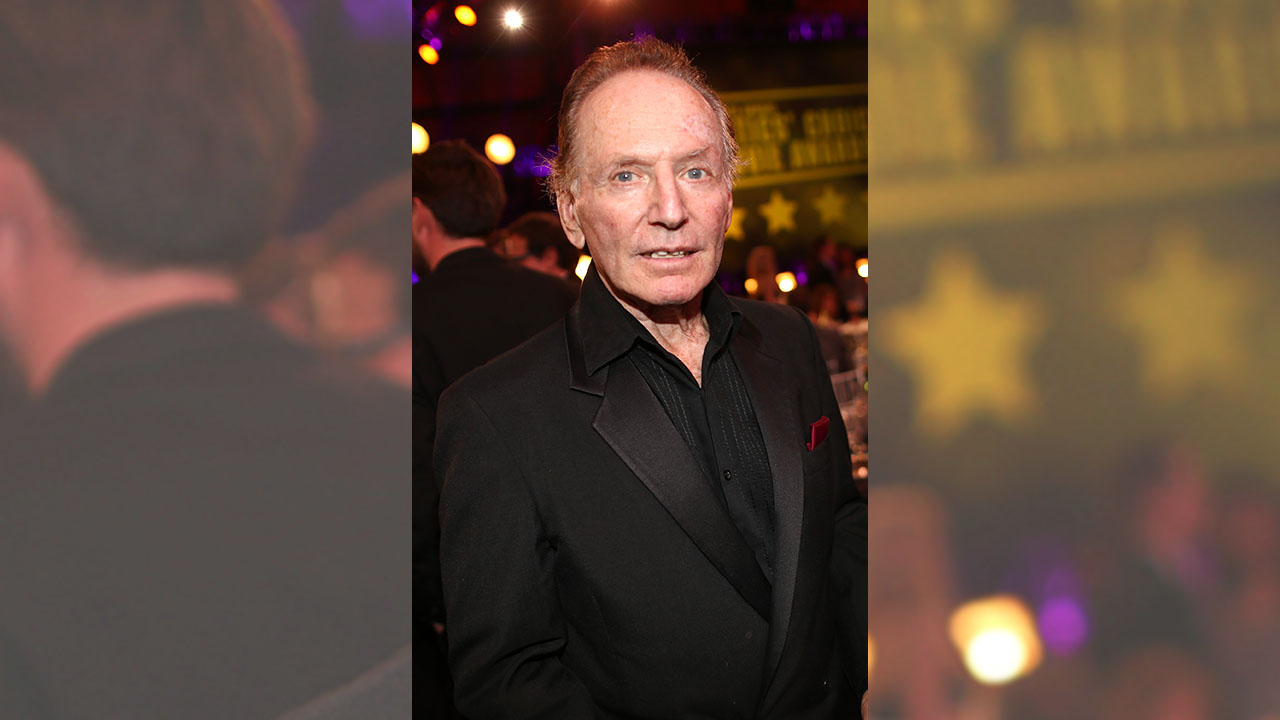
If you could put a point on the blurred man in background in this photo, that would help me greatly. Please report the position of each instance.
(200, 518)
(537, 241)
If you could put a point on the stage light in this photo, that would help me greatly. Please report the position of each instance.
(751, 285)
(512, 19)
(862, 266)
(465, 15)
(997, 638)
(421, 140)
(499, 148)
(584, 262)
(786, 282)
(871, 655)
(429, 55)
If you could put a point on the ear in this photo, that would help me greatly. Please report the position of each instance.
(422, 219)
(569, 219)
(728, 215)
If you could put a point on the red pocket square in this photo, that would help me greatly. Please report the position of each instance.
(818, 432)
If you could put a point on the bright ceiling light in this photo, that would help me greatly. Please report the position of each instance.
(499, 149)
(421, 140)
(786, 281)
(997, 639)
(465, 15)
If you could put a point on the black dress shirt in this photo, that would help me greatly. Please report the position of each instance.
(716, 419)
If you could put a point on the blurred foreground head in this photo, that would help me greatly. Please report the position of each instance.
(166, 133)
(147, 149)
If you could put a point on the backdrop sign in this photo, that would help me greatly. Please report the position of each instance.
(805, 165)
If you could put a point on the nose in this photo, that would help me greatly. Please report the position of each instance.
(666, 206)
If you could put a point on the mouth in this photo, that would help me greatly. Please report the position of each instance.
(667, 254)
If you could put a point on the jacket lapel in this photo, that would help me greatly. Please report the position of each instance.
(634, 424)
(774, 395)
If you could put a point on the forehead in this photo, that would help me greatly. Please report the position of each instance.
(645, 113)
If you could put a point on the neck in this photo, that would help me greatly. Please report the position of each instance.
(445, 247)
(681, 329)
(90, 305)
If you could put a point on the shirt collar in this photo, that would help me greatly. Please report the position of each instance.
(609, 331)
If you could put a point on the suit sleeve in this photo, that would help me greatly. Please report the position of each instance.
(849, 540)
(506, 631)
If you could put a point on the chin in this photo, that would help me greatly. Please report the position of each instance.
(674, 294)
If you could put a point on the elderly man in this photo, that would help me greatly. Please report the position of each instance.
(647, 510)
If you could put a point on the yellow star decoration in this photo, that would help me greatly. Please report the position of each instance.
(966, 346)
(1187, 312)
(735, 231)
(779, 212)
(831, 205)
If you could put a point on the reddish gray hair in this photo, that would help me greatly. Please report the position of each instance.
(607, 62)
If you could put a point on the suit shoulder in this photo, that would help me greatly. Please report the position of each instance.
(493, 277)
(527, 368)
(771, 318)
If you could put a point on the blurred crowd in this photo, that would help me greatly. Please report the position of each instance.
(1173, 591)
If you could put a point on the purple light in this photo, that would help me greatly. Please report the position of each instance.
(533, 161)
(806, 31)
(379, 18)
(526, 160)
(1063, 624)
(415, 277)
(435, 43)
(802, 277)
(542, 168)
(837, 26)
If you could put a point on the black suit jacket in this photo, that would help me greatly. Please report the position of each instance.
(200, 519)
(589, 569)
(473, 307)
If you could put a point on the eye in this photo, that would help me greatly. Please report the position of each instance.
(696, 174)
(625, 176)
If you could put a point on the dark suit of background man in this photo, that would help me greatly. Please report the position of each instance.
(471, 306)
(647, 511)
(198, 518)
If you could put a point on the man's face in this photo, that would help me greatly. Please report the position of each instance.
(650, 195)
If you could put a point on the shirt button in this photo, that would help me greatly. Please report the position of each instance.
(728, 476)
